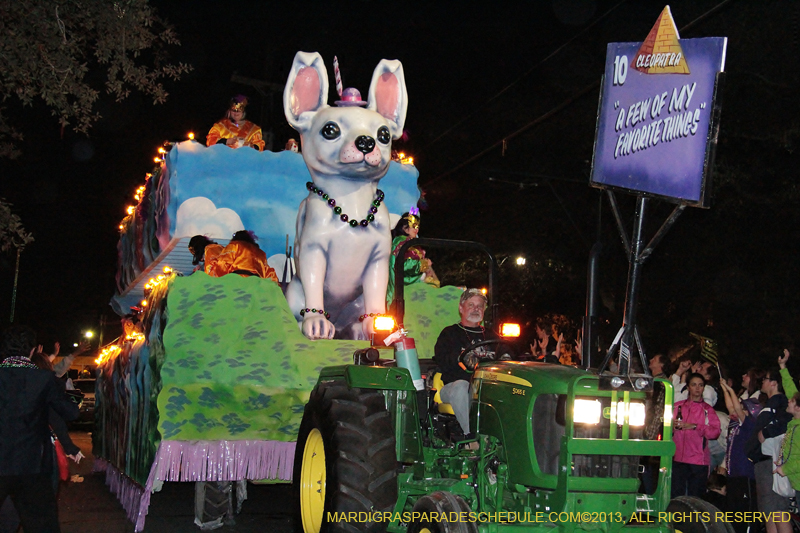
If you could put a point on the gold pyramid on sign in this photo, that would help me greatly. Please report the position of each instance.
(661, 51)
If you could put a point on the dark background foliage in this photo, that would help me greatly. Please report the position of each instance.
(527, 73)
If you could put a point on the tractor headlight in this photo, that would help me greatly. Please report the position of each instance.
(635, 413)
(586, 411)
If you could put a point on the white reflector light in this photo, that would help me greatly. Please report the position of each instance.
(635, 416)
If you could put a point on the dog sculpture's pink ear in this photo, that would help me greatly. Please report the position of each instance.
(306, 90)
(388, 96)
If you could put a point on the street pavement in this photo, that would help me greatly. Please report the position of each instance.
(89, 507)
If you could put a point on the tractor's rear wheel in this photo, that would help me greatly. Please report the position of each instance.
(345, 461)
(443, 504)
(703, 522)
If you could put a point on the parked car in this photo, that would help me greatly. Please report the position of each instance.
(86, 387)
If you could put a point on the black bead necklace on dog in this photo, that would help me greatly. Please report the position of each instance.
(376, 203)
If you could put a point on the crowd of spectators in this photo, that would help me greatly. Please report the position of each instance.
(734, 438)
(556, 339)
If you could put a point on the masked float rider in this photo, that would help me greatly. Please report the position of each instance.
(233, 130)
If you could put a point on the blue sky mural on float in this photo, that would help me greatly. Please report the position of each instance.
(264, 189)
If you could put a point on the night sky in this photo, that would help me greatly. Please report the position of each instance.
(476, 74)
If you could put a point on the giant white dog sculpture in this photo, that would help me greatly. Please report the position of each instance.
(343, 241)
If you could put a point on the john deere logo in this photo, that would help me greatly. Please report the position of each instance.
(661, 51)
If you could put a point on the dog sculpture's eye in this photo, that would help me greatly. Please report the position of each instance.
(383, 135)
(331, 131)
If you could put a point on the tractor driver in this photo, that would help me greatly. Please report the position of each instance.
(452, 341)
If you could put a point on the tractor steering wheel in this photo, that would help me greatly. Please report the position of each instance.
(469, 358)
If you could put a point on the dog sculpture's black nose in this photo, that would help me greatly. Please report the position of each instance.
(365, 144)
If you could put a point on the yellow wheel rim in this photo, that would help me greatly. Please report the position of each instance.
(312, 483)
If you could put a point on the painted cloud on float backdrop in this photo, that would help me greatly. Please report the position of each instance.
(199, 216)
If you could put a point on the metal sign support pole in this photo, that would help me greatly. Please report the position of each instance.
(625, 337)
(632, 296)
(638, 253)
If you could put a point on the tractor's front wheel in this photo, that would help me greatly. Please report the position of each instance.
(693, 515)
(442, 504)
(345, 461)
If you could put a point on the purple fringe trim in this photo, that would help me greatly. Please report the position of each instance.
(200, 461)
(129, 493)
(230, 460)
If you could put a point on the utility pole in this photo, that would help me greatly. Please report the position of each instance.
(14, 291)
(12, 233)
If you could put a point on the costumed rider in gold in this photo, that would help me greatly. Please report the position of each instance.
(234, 130)
(241, 256)
(203, 251)
(416, 267)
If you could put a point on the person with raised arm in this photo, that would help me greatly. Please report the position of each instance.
(786, 378)
(685, 368)
(741, 484)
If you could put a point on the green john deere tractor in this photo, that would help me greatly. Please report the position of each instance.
(558, 449)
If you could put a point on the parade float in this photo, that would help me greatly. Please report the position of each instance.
(552, 448)
(209, 380)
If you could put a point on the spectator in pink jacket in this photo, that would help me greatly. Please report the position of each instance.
(695, 424)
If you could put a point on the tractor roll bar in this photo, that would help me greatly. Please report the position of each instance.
(398, 306)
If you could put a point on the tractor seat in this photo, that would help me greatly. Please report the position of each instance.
(444, 408)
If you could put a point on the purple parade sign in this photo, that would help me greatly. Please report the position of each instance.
(656, 127)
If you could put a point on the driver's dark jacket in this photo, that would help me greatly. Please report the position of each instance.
(452, 340)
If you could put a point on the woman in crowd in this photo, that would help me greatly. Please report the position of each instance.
(416, 267)
(695, 424)
(751, 383)
(685, 366)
